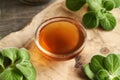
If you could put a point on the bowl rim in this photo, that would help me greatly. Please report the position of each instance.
(62, 56)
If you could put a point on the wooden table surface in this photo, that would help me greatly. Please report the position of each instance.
(98, 42)
(15, 15)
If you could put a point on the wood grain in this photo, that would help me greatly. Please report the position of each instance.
(98, 41)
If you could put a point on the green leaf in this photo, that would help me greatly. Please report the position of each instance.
(94, 5)
(88, 72)
(112, 63)
(118, 55)
(104, 68)
(96, 63)
(75, 5)
(117, 3)
(108, 4)
(1, 61)
(117, 72)
(90, 20)
(116, 78)
(102, 74)
(27, 69)
(7, 62)
(11, 74)
(17, 65)
(109, 22)
(101, 14)
(108, 78)
(23, 54)
(10, 53)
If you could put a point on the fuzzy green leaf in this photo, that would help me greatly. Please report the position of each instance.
(11, 74)
(101, 14)
(94, 5)
(117, 3)
(117, 72)
(15, 65)
(109, 22)
(104, 68)
(10, 53)
(116, 78)
(90, 20)
(27, 69)
(112, 63)
(1, 61)
(108, 4)
(23, 54)
(102, 74)
(96, 63)
(88, 72)
(75, 5)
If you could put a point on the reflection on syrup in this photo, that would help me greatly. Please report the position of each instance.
(60, 37)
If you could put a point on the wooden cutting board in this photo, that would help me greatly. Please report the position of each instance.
(98, 41)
